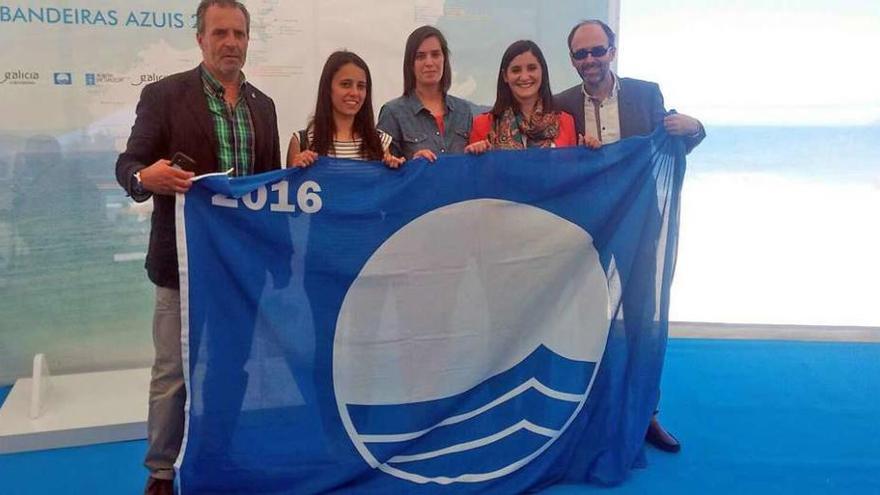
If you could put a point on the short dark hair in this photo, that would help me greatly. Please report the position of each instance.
(416, 38)
(609, 33)
(504, 96)
(203, 7)
(324, 126)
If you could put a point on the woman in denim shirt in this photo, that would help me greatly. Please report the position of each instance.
(426, 121)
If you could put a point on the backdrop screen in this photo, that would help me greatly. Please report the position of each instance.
(72, 245)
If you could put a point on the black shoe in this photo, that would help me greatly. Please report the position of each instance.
(660, 438)
(156, 486)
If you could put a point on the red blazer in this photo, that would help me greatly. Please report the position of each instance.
(567, 135)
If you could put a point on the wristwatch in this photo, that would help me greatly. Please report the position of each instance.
(137, 187)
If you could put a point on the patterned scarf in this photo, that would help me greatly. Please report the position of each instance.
(539, 130)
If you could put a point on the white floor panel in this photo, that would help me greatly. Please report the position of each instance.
(81, 409)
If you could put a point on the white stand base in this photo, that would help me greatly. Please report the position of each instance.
(41, 386)
(82, 409)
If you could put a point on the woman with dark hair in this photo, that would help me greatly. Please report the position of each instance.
(343, 125)
(426, 121)
(523, 114)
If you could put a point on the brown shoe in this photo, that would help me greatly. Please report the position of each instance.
(660, 438)
(155, 486)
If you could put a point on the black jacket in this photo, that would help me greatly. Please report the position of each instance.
(172, 116)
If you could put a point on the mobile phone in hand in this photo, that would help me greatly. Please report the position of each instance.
(183, 162)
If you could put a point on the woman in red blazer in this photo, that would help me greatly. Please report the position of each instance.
(523, 114)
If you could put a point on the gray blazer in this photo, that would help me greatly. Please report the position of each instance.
(640, 104)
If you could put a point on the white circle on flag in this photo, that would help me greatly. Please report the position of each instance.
(460, 295)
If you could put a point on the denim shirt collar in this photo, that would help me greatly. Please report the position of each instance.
(415, 104)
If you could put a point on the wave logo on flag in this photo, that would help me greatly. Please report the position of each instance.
(469, 341)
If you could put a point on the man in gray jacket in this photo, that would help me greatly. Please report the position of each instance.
(611, 108)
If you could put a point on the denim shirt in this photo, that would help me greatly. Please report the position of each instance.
(412, 127)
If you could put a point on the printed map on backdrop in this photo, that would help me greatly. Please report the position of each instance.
(71, 244)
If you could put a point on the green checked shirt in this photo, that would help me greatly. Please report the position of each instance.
(232, 125)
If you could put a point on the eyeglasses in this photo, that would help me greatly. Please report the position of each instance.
(596, 52)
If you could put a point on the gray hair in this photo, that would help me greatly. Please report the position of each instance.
(203, 7)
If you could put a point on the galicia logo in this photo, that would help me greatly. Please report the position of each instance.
(102, 78)
(20, 77)
(147, 78)
(63, 78)
(468, 365)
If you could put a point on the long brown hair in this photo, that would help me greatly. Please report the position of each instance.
(504, 96)
(324, 126)
(416, 38)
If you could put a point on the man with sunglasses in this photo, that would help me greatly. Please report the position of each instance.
(611, 108)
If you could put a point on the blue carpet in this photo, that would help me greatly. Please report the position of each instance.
(753, 416)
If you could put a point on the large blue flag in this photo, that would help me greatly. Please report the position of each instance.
(491, 323)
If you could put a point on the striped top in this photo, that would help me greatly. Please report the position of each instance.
(350, 149)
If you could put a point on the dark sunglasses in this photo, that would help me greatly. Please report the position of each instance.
(596, 52)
